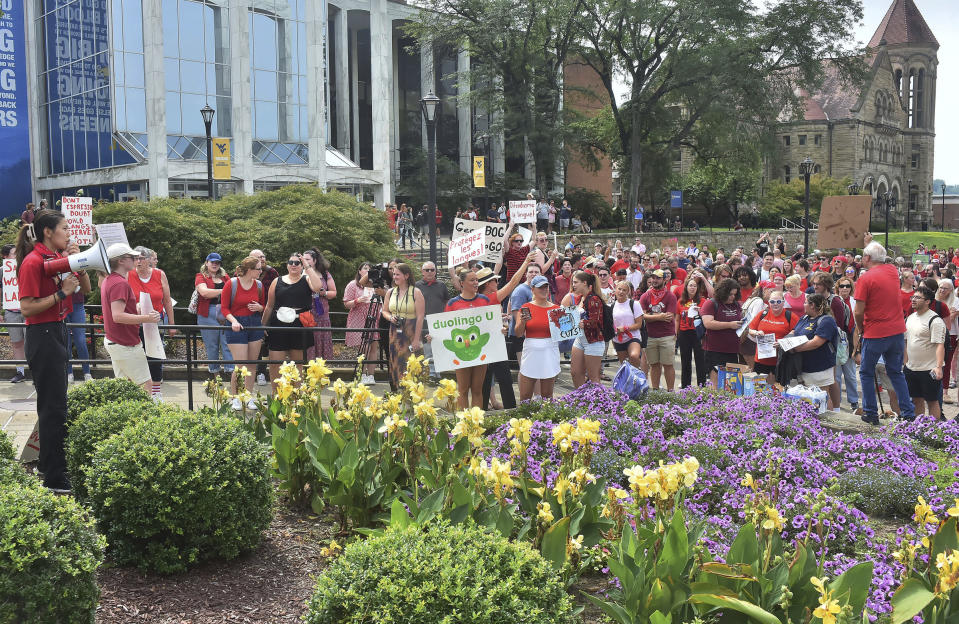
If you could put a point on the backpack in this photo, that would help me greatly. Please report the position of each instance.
(234, 285)
(630, 381)
(846, 313)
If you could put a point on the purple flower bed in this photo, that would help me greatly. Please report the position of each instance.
(760, 435)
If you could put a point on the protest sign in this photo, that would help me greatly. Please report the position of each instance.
(111, 233)
(526, 234)
(467, 338)
(79, 214)
(494, 236)
(922, 259)
(523, 211)
(11, 287)
(564, 323)
(843, 220)
(466, 248)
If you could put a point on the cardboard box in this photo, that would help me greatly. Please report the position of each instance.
(730, 378)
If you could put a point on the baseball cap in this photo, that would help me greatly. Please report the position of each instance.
(121, 249)
(658, 273)
(485, 275)
(539, 281)
(214, 257)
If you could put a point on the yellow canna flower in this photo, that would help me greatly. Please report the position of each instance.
(342, 415)
(332, 550)
(392, 424)
(954, 510)
(414, 365)
(773, 519)
(327, 428)
(290, 372)
(242, 372)
(519, 429)
(544, 514)
(284, 389)
(318, 373)
(947, 566)
(576, 542)
(748, 482)
(425, 413)
(827, 610)
(924, 514)
(560, 488)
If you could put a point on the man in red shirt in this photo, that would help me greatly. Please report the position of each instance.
(121, 321)
(880, 331)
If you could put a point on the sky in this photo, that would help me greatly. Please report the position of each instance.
(941, 17)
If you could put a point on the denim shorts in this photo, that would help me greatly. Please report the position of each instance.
(245, 336)
(590, 348)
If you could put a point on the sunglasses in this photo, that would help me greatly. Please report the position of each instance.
(429, 270)
(293, 263)
(845, 285)
(776, 301)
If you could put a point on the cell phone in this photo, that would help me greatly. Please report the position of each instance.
(525, 314)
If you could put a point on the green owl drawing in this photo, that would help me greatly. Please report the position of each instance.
(466, 344)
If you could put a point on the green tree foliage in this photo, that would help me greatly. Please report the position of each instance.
(454, 187)
(720, 185)
(788, 200)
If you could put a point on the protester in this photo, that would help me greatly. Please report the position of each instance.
(687, 337)
(586, 361)
(520, 296)
(819, 353)
(242, 304)
(28, 215)
(946, 294)
(405, 309)
(17, 334)
(357, 300)
(209, 283)
(267, 275)
(43, 305)
(722, 316)
(847, 372)
(747, 281)
(540, 361)
(121, 319)
(435, 295)
(794, 296)
(563, 279)
(627, 322)
(777, 321)
(469, 381)
(659, 308)
(753, 307)
(152, 281)
(322, 339)
(925, 354)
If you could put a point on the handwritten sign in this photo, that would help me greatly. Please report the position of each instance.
(466, 248)
(523, 211)
(564, 323)
(843, 220)
(111, 233)
(11, 287)
(79, 214)
(494, 236)
(467, 338)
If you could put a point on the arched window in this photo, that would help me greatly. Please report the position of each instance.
(911, 99)
(899, 84)
(865, 148)
(920, 109)
(786, 173)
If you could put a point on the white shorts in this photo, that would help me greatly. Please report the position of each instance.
(128, 362)
(821, 379)
(595, 349)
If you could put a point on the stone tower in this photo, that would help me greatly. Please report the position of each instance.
(906, 37)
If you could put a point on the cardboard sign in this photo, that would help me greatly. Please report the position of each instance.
(11, 287)
(79, 214)
(494, 236)
(111, 233)
(467, 338)
(526, 234)
(466, 248)
(843, 220)
(523, 211)
(564, 323)
(923, 259)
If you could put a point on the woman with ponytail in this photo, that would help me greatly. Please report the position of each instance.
(45, 301)
(587, 358)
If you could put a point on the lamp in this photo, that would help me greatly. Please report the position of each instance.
(853, 188)
(805, 170)
(207, 114)
(428, 104)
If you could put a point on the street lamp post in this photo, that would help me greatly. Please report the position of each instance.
(805, 170)
(853, 189)
(208, 113)
(908, 203)
(428, 104)
(890, 201)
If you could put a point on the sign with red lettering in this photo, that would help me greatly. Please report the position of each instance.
(79, 214)
(466, 248)
(11, 288)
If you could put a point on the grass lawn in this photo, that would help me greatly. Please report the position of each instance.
(909, 241)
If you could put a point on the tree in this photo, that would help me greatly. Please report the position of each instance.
(453, 186)
(788, 200)
(684, 60)
(719, 183)
(520, 48)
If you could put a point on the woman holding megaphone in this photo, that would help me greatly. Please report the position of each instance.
(45, 300)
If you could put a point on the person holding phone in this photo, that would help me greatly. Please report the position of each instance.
(540, 360)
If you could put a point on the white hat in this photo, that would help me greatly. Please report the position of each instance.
(121, 249)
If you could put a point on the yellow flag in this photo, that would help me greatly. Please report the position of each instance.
(221, 159)
(479, 171)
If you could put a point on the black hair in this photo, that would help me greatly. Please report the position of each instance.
(744, 270)
(321, 264)
(32, 233)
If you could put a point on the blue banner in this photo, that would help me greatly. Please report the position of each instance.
(675, 199)
(15, 179)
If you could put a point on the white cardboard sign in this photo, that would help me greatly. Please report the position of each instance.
(467, 338)
(111, 233)
(466, 248)
(523, 211)
(79, 214)
(494, 236)
(11, 287)
(564, 323)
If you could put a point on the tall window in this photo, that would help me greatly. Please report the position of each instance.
(911, 98)
(75, 67)
(786, 140)
(802, 139)
(278, 77)
(129, 97)
(196, 50)
(920, 79)
(786, 173)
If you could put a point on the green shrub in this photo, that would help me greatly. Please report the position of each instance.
(6, 446)
(83, 396)
(11, 471)
(177, 489)
(871, 490)
(96, 424)
(449, 574)
(49, 554)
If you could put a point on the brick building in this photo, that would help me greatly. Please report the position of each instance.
(883, 135)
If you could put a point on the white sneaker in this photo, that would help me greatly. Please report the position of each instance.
(157, 398)
(251, 405)
(70, 378)
(236, 405)
(368, 380)
(87, 377)
(261, 379)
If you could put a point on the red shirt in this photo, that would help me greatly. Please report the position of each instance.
(458, 303)
(619, 264)
(203, 304)
(777, 325)
(153, 287)
(241, 298)
(905, 302)
(514, 260)
(538, 325)
(116, 288)
(745, 292)
(875, 291)
(686, 323)
(35, 283)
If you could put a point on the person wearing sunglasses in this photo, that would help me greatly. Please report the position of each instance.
(209, 283)
(776, 320)
(288, 297)
(848, 371)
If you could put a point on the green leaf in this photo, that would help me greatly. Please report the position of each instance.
(852, 586)
(746, 608)
(659, 618)
(505, 522)
(745, 548)
(945, 539)
(459, 514)
(430, 506)
(613, 610)
(553, 547)
(675, 553)
(399, 519)
(909, 600)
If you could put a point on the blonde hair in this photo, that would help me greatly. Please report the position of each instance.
(206, 272)
(793, 280)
